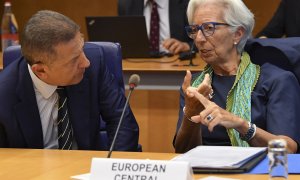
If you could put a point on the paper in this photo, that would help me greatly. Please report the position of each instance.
(216, 178)
(125, 169)
(82, 176)
(219, 156)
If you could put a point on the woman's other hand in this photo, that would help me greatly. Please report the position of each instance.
(192, 104)
(213, 114)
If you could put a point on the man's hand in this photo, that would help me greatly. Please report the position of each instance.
(175, 46)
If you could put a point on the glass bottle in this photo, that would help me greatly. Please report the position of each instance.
(278, 165)
(9, 28)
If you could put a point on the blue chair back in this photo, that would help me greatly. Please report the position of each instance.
(10, 54)
(112, 56)
(282, 52)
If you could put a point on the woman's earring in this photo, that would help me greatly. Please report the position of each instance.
(235, 43)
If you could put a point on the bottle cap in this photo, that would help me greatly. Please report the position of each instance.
(277, 143)
(7, 3)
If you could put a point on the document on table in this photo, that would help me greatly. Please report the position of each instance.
(225, 157)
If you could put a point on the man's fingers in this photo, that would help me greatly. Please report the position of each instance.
(168, 42)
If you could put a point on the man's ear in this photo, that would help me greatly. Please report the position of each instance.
(39, 70)
(239, 33)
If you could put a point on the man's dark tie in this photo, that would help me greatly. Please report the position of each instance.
(154, 28)
(65, 131)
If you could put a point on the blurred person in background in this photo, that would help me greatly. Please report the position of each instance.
(172, 20)
(285, 22)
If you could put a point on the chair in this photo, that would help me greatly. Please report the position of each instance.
(112, 52)
(282, 52)
(10, 54)
(121, 7)
(112, 56)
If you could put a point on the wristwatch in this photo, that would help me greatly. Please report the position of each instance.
(250, 133)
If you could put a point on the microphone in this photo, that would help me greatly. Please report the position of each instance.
(192, 55)
(134, 80)
(133, 83)
(189, 55)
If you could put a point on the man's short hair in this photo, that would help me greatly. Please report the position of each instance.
(43, 32)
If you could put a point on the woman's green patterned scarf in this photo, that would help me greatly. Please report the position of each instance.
(239, 96)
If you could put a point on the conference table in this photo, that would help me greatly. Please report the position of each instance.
(62, 164)
(164, 73)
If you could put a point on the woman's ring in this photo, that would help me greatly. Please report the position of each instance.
(209, 117)
(211, 95)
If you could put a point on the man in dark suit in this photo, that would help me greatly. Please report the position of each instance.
(54, 57)
(173, 11)
(285, 22)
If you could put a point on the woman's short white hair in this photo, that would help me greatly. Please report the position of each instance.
(236, 14)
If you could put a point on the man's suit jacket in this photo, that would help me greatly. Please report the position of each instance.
(286, 21)
(177, 15)
(97, 94)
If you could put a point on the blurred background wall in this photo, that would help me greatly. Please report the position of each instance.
(78, 9)
(75, 9)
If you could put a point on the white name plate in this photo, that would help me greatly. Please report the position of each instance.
(133, 169)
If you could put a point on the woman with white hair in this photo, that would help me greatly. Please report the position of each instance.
(233, 101)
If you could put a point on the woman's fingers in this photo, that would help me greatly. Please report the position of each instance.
(203, 100)
(205, 87)
(187, 80)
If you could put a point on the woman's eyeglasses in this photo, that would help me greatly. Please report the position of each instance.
(207, 29)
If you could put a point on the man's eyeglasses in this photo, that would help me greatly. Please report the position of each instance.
(207, 29)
